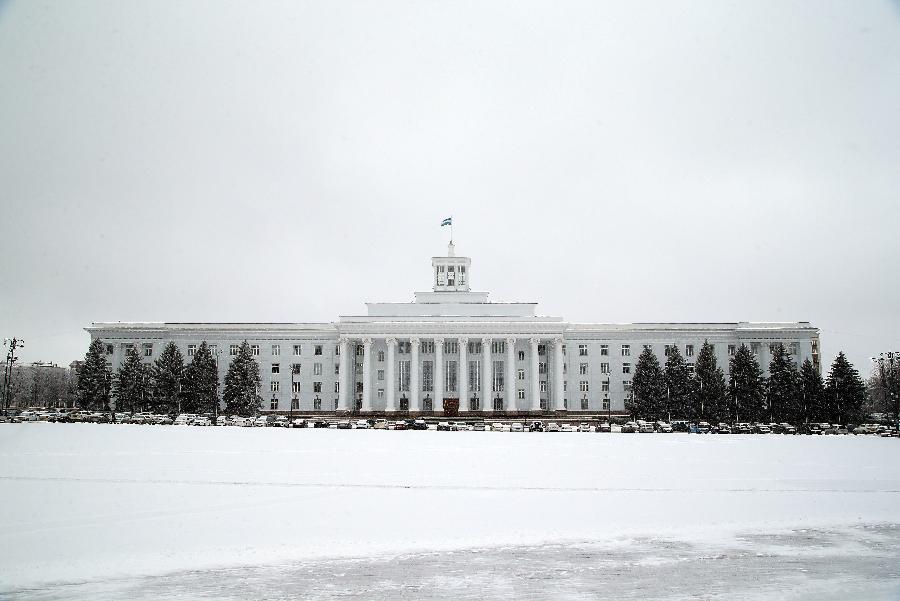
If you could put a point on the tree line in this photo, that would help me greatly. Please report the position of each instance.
(789, 394)
(168, 385)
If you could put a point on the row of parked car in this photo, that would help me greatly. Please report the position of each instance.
(631, 427)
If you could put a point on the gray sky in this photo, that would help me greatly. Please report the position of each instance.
(652, 161)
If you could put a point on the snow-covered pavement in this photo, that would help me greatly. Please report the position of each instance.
(102, 507)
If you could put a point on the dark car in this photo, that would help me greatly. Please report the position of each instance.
(320, 423)
(536, 426)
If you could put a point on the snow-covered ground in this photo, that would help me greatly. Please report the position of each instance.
(92, 511)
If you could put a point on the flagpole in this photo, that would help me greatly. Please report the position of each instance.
(451, 229)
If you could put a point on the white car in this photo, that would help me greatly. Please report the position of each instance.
(281, 422)
(584, 427)
(361, 425)
(183, 420)
(567, 428)
(381, 424)
(222, 420)
(516, 427)
(261, 421)
(553, 427)
(201, 420)
(498, 427)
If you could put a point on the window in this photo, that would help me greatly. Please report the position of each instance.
(474, 376)
(276, 350)
(565, 386)
(109, 349)
(192, 348)
(584, 404)
(358, 369)
(565, 368)
(381, 393)
(583, 386)
(212, 349)
(521, 374)
(542, 367)
(337, 350)
(731, 350)
(275, 385)
(605, 386)
(380, 357)
(582, 350)
(498, 346)
(755, 346)
(451, 379)
(427, 376)
(295, 387)
(604, 368)
(426, 347)
(148, 350)
(317, 404)
(626, 385)
(273, 404)
(564, 349)
(129, 346)
(403, 347)
(648, 347)
(233, 350)
(626, 350)
(317, 350)
(474, 404)
(381, 374)
(474, 348)
(626, 368)
(521, 355)
(297, 349)
(604, 350)
(360, 350)
(337, 388)
(542, 350)
(404, 376)
(295, 404)
(668, 349)
(427, 404)
(606, 403)
(337, 369)
(520, 394)
(254, 349)
(543, 385)
(498, 376)
(317, 387)
(498, 404)
(295, 368)
(543, 404)
(582, 369)
(451, 347)
(276, 368)
(317, 369)
(794, 348)
(689, 350)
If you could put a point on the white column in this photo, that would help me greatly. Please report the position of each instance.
(510, 374)
(462, 374)
(344, 392)
(391, 385)
(535, 376)
(414, 375)
(367, 375)
(487, 375)
(558, 393)
(438, 374)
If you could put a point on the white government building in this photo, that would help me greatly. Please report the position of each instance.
(452, 347)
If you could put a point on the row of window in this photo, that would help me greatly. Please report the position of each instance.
(452, 348)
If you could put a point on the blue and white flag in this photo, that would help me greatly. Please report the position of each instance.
(447, 221)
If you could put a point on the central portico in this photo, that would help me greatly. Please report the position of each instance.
(449, 351)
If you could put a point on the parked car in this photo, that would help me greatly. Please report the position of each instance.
(629, 428)
(281, 421)
(552, 427)
(223, 420)
(443, 426)
(516, 427)
(457, 426)
(298, 422)
(361, 424)
(785, 428)
(761, 429)
(680, 425)
(344, 424)
(663, 427)
(400, 425)
(201, 420)
(604, 427)
(417, 424)
(646, 428)
(536, 426)
(499, 427)
(567, 428)
(722, 428)
(479, 427)
(380, 424)
(584, 427)
(320, 423)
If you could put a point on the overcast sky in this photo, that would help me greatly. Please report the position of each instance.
(627, 162)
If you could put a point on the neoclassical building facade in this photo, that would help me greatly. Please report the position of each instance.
(452, 351)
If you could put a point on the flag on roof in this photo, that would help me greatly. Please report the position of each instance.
(447, 221)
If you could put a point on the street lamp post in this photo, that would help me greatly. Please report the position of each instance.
(216, 403)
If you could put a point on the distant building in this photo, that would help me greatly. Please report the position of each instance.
(453, 346)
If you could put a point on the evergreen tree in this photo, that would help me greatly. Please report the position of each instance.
(242, 384)
(678, 384)
(94, 379)
(845, 392)
(783, 389)
(710, 398)
(131, 386)
(201, 382)
(168, 379)
(649, 387)
(812, 393)
(746, 386)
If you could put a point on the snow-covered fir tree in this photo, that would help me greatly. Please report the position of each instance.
(131, 386)
(242, 384)
(201, 382)
(845, 392)
(812, 393)
(649, 388)
(746, 386)
(168, 379)
(710, 399)
(94, 379)
(678, 383)
(783, 388)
